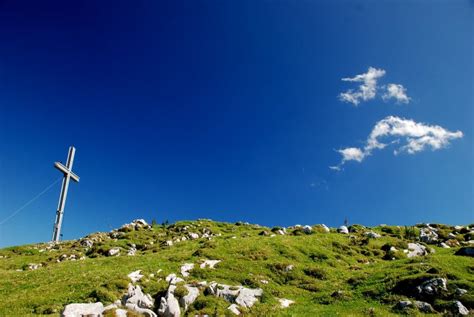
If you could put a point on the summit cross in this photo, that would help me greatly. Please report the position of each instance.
(68, 175)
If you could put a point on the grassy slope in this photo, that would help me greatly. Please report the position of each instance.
(324, 263)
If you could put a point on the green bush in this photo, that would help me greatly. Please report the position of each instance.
(180, 291)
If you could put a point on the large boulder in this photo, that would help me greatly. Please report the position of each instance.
(428, 235)
(113, 252)
(248, 297)
(80, 310)
(459, 309)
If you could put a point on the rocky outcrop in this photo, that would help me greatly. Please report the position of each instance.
(185, 268)
(284, 303)
(169, 305)
(79, 310)
(242, 296)
(135, 276)
(415, 249)
(188, 299)
(113, 252)
(209, 263)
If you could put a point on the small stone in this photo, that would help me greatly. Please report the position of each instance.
(284, 303)
(209, 263)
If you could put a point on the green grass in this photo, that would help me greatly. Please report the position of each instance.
(324, 263)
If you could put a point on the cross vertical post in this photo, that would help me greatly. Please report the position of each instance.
(68, 175)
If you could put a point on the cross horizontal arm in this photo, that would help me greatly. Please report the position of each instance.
(65, 170)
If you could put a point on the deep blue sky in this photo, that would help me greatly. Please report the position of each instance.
(228, 110)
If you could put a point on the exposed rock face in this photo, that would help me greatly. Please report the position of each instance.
(284, 303)
(248, 296)
(403, 304)
(172, 279)
(307, 229)
(135, 296)
(416, 249)
(432, 287)
(135, 276)
(79, 310)
(343, 229)
(466, 251)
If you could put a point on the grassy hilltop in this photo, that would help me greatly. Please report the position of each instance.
(324, 273)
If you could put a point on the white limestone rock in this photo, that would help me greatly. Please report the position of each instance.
(169, 305)
(234, 309)
(79, 310)
(284, 303)
(188, 299)
(373, 235)
(172, 279)
(415, 249)
(343, 229)
(185, 268)
(135, 296)
(460, 309)
(432, 287)
(86, 243)
(143, 311)
(113, 252)
(248, 297)
(193, 236)
(135, 276)
(209, 263)
(307, 229)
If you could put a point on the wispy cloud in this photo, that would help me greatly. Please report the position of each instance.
(411, 137)
(369, 87)
(367, 90)
(397, 92)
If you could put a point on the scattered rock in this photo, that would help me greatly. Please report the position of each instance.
(280, 232)
(172, 279)
(415, 249)
(403, 305)
(193, 236)
(325, 228)
(343, 229)
(209, 263)
(185, 268)
(87, 243)
(460, 291)
(89, 310)
(428, 235)
(289, 268)
(248, 296)
(432, 287)
(113, 252)
(373, 235)
(307, 229)
(453, 243)
(284, 303)
(132, 251)
(242, 296)
(120, 313)
(424, 307)
(169, 305)
(444, 245)
(188, 299)
(234, 309)
(465, 251)
(34, 266)
(140, 310)
(135, 276)
(459, 309)
(135, 296)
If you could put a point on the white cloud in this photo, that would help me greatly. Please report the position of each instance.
(412, 136)
(398, 92)
(367, 90)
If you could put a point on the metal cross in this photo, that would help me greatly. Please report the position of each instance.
(68, 175)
